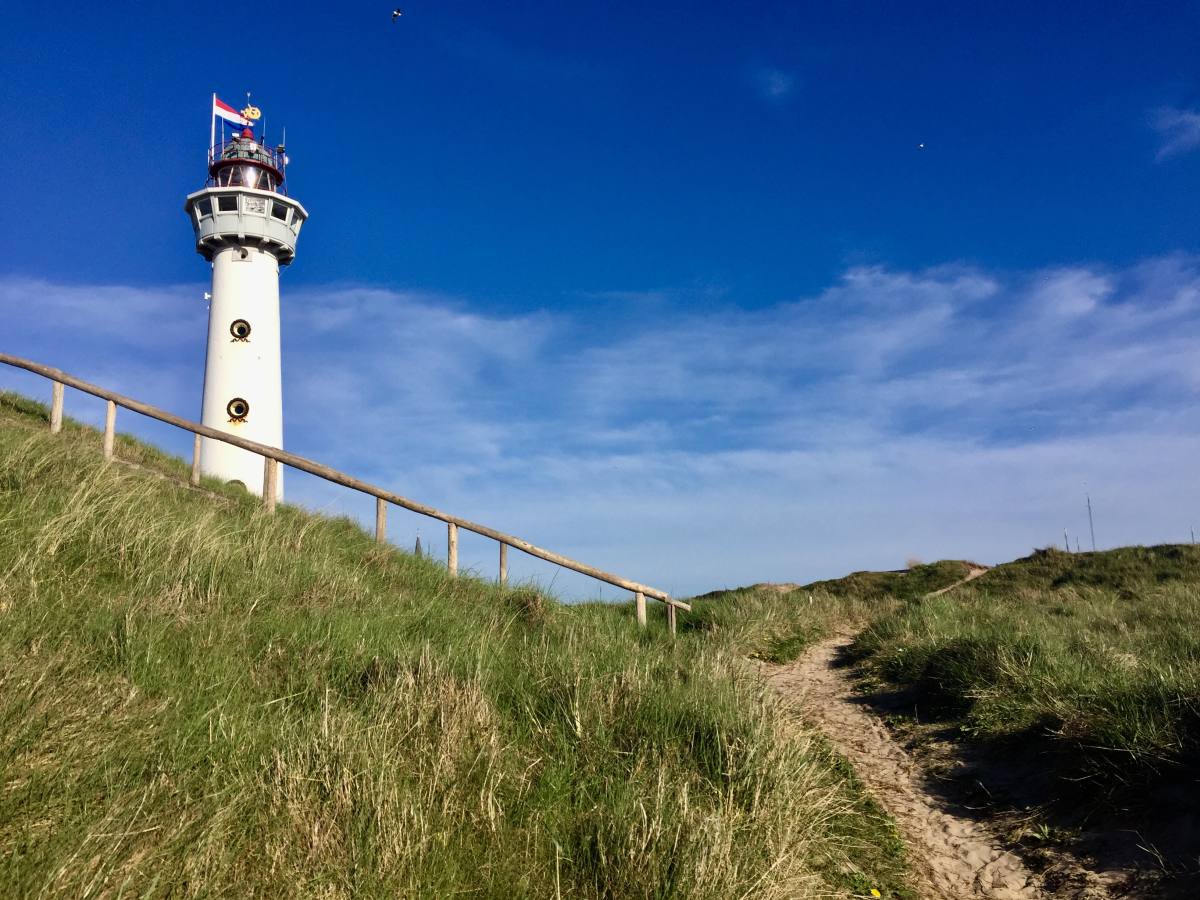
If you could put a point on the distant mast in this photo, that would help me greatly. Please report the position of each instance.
(246, 226)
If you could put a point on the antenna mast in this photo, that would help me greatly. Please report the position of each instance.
(1091, 527)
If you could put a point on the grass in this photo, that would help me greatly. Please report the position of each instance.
(1069, 682)
(910, 584)
(776, 624)
(1093, 656)
(201, 700)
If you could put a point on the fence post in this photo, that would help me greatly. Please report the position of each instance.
(380, 520)
(196, 462)
(110, 429)
(671, 618)
(641, 609)
(270, 478)
(56, 406)
(452, 548)
(503, 563)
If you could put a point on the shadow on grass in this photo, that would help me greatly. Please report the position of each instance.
(1029, 786)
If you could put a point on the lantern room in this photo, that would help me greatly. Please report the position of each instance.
(245, 162)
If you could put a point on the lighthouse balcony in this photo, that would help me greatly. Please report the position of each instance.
(233, 216)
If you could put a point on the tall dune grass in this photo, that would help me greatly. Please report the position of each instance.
(201, 700)
(1095, 655)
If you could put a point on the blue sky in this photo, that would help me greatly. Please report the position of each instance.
(668, 287)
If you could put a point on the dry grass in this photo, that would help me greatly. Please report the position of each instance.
(198, 700)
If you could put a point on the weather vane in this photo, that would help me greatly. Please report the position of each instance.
(253, 113)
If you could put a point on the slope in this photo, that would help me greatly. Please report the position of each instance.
(1055, 698)
(1095, 654)
(775, 622)
(197, 699)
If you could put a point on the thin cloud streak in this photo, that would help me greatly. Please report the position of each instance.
(774, 84)
(1179, 130)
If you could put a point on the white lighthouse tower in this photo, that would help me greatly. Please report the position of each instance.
(246, 226)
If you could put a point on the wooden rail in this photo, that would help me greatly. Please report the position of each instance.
(273, 457)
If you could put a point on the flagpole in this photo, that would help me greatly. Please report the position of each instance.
(212, 127)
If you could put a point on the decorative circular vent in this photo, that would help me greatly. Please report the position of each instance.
(240, 329)
(238, 409)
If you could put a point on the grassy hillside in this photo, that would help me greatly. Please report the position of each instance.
(1069, 683)
(197, 699)
(776, 622)
(1095, 655)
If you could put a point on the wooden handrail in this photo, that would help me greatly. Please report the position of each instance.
(329, 474)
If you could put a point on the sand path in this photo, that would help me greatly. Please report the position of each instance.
(972, 573)
(952, 858)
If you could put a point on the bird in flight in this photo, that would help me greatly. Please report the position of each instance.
(397, 13)
(920, 146)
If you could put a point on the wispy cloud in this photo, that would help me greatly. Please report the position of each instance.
(1179, 130)
(774, 84)
(947, 411)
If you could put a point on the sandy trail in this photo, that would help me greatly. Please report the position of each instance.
(952, 858)
(972, 573)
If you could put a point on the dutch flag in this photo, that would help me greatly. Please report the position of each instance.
(232, 121)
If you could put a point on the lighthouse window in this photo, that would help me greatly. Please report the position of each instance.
(227, 204)
(238, 409)
(240, 329)
(205, 207)
(279, 211)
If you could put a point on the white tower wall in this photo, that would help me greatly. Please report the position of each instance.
(245, 289)
(247, 228)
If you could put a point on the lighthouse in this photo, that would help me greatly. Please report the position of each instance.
(246, 226)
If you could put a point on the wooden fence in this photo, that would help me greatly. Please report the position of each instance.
(274, 457)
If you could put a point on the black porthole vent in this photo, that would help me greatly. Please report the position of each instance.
(238, 409)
